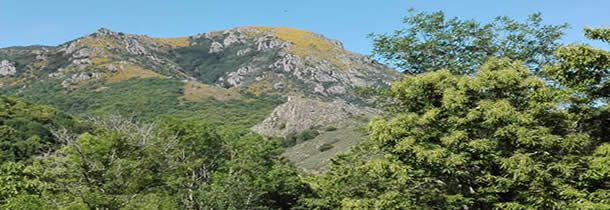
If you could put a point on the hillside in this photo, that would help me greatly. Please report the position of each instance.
(240, 76)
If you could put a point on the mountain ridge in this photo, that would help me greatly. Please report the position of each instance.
(242, 76)
(106, 49)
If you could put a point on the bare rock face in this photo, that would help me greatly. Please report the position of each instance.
(81, 61)
(107, 43)
(270, 42)
(233, 38)
(319, 68)
(287, 63)
(7, 68)
(300, 114)
(41, 54)
(80, 77)
(243, 52)
(336, 90)
(105, 32)
(237, 78)
(134, 47)
(216, 47)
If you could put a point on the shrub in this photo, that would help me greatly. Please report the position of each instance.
(290, 140)
(325, 147)
(307, 135)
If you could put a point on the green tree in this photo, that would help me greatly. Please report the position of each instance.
(25, 129)
(431, 42)
(583, 72)
(497, 139)
(172, 164)
(15, 180)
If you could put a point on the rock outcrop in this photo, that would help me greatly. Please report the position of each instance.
(320, 66)
(300, 114)
(7, 68)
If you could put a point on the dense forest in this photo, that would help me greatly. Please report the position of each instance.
(495, 115)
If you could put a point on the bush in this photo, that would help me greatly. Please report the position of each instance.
(325, 147)
(307, 135)
(290, 140)
(26, 129)
(293, 138)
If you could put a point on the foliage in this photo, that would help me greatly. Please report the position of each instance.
(172, 164)
(326, 146)
(499, 139)
(432, 42)
(585, 69)
(25, 129)
(15, 180)
(297, 138)
(148, 99)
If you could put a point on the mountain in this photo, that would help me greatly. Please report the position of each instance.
(279, 81)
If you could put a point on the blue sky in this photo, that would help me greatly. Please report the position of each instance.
(51, 22)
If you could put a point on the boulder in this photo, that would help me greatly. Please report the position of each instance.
(7, 68)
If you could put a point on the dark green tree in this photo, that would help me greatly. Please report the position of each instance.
(431, 41)
(25, 129)
(173, 164)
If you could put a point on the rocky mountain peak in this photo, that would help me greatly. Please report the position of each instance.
(296, 36)
(291, 61)
(104, 32)
(258, 59)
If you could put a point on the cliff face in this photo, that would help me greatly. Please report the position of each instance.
(299, 114)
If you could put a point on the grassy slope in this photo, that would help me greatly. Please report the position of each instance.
(310, 159)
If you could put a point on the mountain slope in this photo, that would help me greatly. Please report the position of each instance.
(238, 76)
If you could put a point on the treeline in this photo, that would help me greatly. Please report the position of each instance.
(171, 164)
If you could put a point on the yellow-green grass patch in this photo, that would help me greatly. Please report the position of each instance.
(195, 91)
(129, 71)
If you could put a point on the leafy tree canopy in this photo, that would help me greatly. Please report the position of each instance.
(173, 164)
(25, 129)
(499, 139)
(431, 41)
